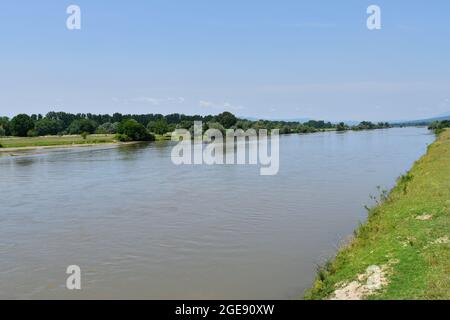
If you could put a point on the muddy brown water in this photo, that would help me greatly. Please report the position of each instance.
(141, 227)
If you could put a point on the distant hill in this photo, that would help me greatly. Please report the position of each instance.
(422, 121)
(301, 120)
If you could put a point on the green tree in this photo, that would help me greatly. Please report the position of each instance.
(305, 129)
(258, 125)
(21, 124)
(2, 132)
(341, 127)
(226, 119)
(47, 126)
(159, 127)
(285, 129)
(185, 124)
(107, 128)
(131, 130)
(4, 123)
(82, 125)
(366, 125)
(243, 124)
(215, 125)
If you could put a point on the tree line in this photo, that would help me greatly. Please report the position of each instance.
(145, 126)
(364, 125)
(439, 126)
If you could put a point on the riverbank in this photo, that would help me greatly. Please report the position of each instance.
(13, 144)
(403, 251)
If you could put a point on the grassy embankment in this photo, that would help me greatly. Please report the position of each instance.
(403, 251)
(52, 141)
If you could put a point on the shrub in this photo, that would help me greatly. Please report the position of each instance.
(439, 131)
(404, 180)
(123, 137)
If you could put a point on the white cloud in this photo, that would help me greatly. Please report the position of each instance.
(150, 100)
(220, 106)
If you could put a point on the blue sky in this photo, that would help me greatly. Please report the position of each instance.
(268, 59)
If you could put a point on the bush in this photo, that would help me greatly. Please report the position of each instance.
(123, 137)
(439, 131)
(404, 180)
(131, 130)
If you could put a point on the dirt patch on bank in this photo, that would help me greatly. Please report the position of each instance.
(374, 279)
(424, 217)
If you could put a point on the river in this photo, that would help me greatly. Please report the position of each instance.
(140, 227)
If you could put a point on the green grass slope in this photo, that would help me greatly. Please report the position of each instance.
(406, 236)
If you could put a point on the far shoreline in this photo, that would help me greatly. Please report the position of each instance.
(65, 146)
(109, 141)
(62, 142)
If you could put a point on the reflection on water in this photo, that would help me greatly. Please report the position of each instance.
(141, 227)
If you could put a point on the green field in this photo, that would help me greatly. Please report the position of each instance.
(15, 142)
(403, 251)
(49, 141)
